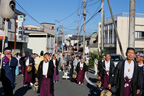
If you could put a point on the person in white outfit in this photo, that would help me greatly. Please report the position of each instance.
(95, 65)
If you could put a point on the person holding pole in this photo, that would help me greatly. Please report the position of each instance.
(9, 64)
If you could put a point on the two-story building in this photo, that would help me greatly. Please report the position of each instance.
(11, 33)
(122, 22)
(41, 38)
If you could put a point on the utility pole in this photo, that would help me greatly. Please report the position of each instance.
(102, 24)
(15, 32)
(84, 16)
(131, 42)
(56, 34)
(78, 36)
(115, 28)
(62, 39)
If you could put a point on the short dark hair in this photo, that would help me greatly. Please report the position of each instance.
(130, 48)
(107, 54)
(72, 54)
(47, 54)
(41, 53)
(7, 48)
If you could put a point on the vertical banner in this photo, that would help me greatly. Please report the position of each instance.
(20, 27)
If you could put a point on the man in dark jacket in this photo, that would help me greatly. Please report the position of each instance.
(139, 59)
(45, 77)
(9, 64)
(106, 71)
(56, 72)
(127, 79)
(81, 69)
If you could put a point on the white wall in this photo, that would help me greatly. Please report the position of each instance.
(37, 44)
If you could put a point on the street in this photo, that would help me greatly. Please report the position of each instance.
(62, 88)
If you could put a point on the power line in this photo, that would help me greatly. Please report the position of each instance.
(31, 16)
(90, 19)
(93, 3)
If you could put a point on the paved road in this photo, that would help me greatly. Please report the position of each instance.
(62, 88)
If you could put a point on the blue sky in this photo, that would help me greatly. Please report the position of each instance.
(51, 10)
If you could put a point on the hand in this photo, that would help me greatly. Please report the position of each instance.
(138, 91)
(109, 86)
(30, 64)
(36, 79)
(99, 78)
(86, 72)
(9, 57)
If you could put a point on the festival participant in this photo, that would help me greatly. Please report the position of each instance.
(45, 77)
(81, 69)
(9, 64)
(127, 78)
(63, 62)
(71, 60)
(40, 59)
(28, 76)
(95, 65)
(56, 72)
(100, 63)
(76, 60)
(17, 67)
(22, 63)
(106, 71)
(139, 59)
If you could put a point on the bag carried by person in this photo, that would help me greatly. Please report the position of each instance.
(99, 84)
(29, 68)
(106, 93)
(35, 87)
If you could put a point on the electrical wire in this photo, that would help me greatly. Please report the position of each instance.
(90, 19)
(31, 16)
(93, 3)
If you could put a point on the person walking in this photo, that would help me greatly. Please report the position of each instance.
(9, 64)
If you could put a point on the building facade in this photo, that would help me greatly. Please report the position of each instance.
(122, 22)
(41, 38)
(10, 34)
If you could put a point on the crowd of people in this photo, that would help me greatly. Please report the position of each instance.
(42, 70)
(124, 79)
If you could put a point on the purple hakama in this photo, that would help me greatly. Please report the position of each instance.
(27, 77)
(55, 77)
(22, 70)
(105, 80)
(45, 87)
(127, 90)
(80, 76)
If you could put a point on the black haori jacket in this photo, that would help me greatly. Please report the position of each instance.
(57, 64)
(85, 68)
(49, 75)
(118, 81)
(102, 71)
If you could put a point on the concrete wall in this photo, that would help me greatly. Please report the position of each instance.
(123, 30)
(37, 45)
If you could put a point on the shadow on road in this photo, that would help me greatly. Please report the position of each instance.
(22, 91)
(93, 80)
(93, 90)
(1, 92)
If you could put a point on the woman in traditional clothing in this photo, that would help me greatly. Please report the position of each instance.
(28, 76)
(127, 78)
(106, 71)
(45, 77)
(56, 72)
(81, 69)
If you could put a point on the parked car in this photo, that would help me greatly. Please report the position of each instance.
(116, 58)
